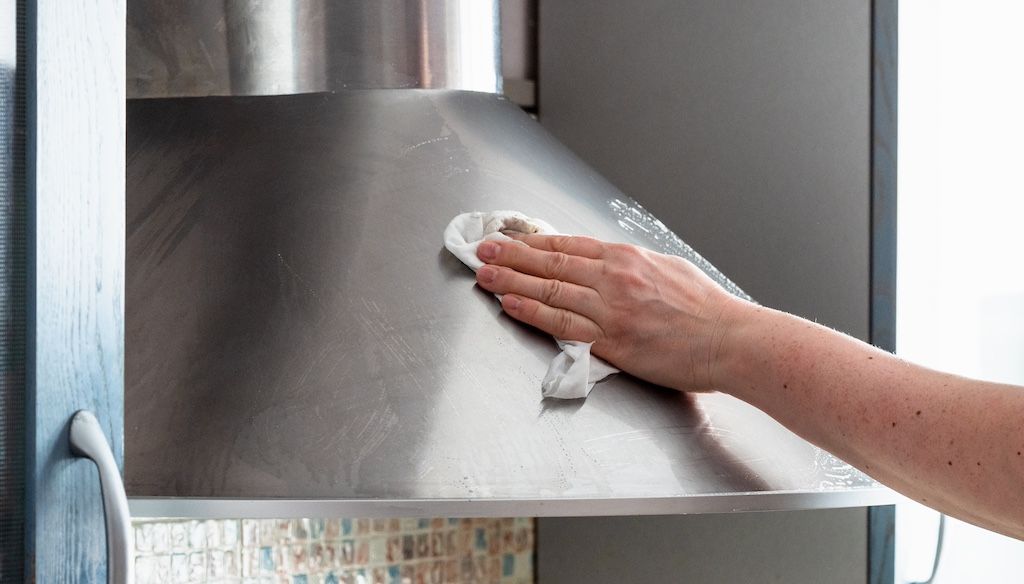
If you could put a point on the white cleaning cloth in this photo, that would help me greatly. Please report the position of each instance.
(573, 373)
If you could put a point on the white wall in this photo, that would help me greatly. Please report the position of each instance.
(961, 233)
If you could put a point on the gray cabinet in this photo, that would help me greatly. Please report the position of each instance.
(747, 127)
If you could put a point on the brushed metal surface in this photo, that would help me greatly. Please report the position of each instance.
(224, 508)
(295, 329)
(180, 48)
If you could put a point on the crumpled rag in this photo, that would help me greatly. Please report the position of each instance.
(574, 371)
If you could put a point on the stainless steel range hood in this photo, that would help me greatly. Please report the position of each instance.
(300, 343)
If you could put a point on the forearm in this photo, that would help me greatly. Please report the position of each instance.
(952, 443)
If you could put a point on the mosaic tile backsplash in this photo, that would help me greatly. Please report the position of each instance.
(334, 551)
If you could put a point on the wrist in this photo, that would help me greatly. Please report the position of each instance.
(736, 342)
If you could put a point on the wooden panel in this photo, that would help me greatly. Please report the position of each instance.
(75, 125)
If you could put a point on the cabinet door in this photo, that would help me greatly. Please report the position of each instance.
(63, 274)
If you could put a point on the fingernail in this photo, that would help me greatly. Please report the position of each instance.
(486, 274)
(487, 250)
(512, 303)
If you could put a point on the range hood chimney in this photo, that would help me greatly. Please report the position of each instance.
(300, 343)
(271, 47)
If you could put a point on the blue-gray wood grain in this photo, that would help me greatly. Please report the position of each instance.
(75, 152)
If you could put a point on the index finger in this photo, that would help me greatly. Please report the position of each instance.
(576, 245)
(552, 265)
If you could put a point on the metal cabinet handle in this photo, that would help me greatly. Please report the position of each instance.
(88, 441)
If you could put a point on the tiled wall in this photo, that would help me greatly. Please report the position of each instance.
(334, 551)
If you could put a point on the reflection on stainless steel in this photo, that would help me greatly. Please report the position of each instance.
(297, 331)
(273, 47)
(635, 219)
(269, 47)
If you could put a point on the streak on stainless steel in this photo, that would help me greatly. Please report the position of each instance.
(297, 331)
(182, 48)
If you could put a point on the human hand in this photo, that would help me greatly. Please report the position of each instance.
(655, 316)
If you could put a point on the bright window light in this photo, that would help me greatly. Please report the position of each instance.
(477, 51)
(960, 304)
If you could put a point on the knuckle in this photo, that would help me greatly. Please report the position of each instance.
(633, 255)
(556, 264)
(634, 280)
(503, 278)
(507, 252)
(613, 325)
(563, 322)
(618, 254)
(552, 291)
(625, 250)
(595, 247)
(561, 243)
(626, 277)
